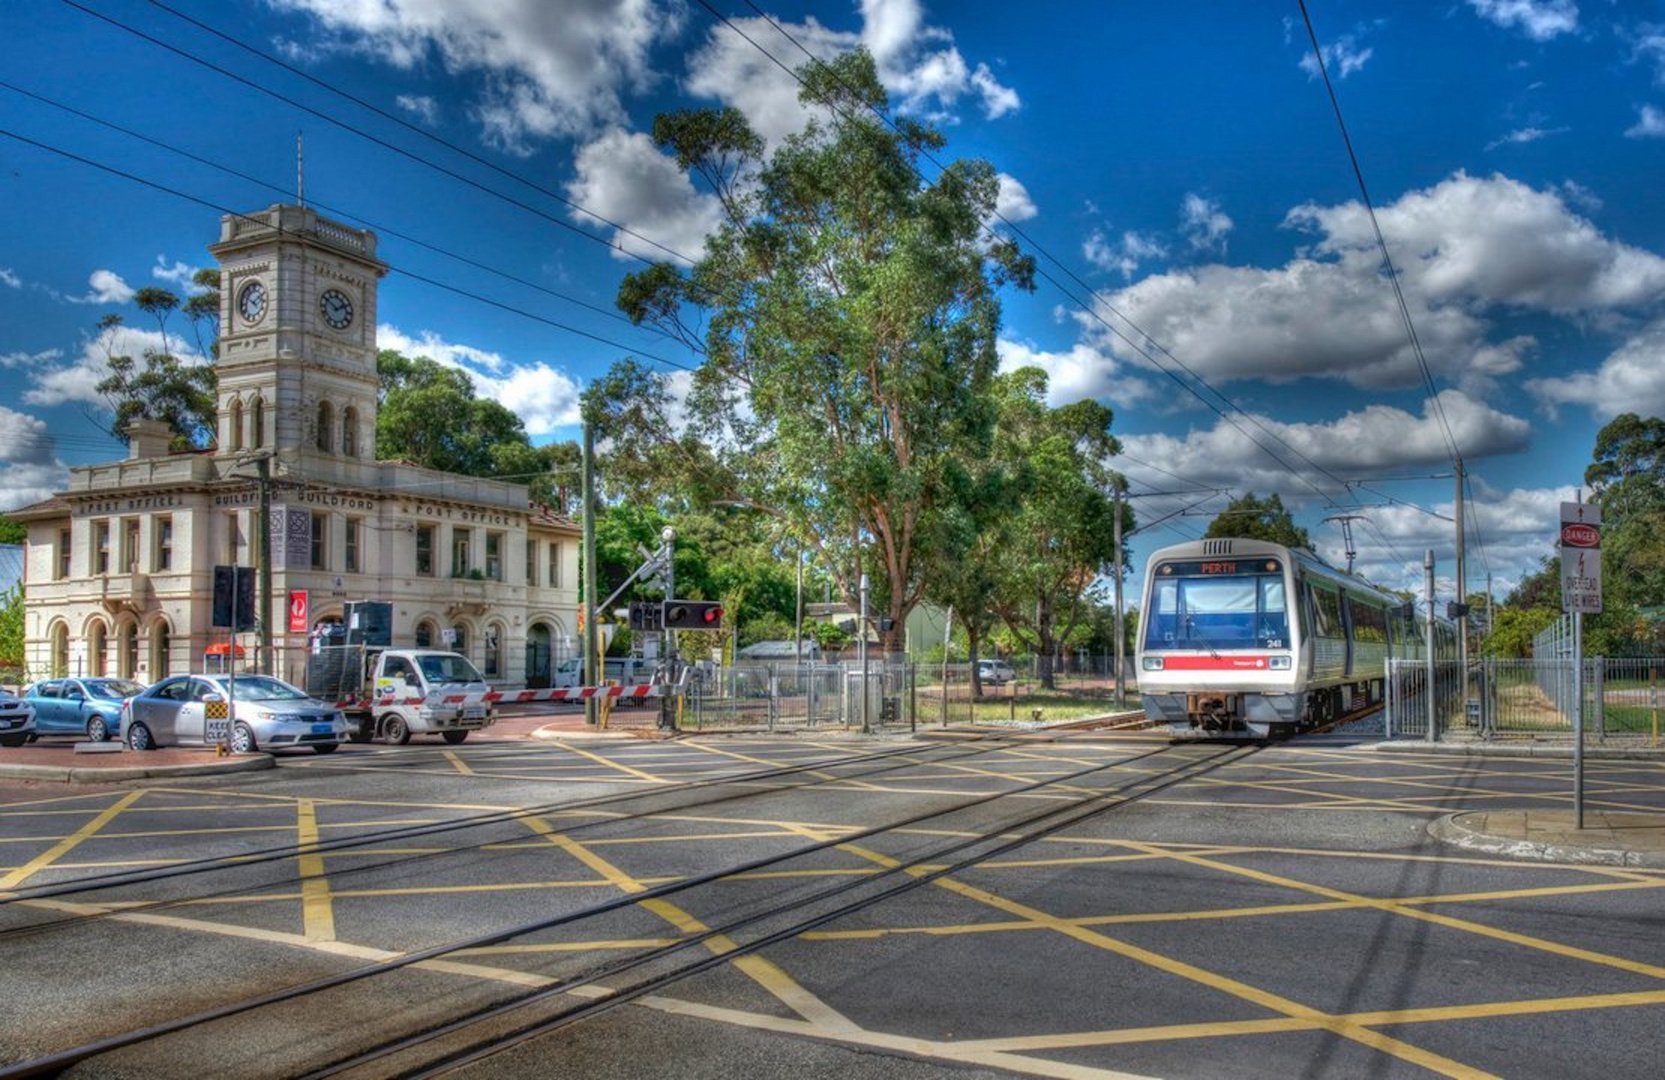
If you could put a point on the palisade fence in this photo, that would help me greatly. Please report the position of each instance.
(900, 694)
(1531, 700)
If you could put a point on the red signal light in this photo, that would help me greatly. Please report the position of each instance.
(712, 615)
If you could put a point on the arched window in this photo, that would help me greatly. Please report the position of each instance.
(349, 431)
(257, 438)
(236, 432)
(493, 652)
(326, 427)
(460, 644)
(129, 660)
(95, 649)
(425, 634)
(161, 644)
(60, 650)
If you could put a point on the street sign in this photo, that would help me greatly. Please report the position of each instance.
(1580, 546)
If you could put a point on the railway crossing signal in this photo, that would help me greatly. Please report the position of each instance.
(693, 615)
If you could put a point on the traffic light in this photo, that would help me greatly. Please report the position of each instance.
(693, 615)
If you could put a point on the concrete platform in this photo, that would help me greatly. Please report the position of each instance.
(1607, 838)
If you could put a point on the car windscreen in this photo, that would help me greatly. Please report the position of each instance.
(448, 669)
(112, 688)
(263, 688)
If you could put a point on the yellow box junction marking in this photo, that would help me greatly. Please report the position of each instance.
(317, 910)
(69, 843)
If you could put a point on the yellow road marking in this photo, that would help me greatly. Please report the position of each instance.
(598, 759)
(1336, 1025)
(456, 760)
(317, 911)
(68, 843)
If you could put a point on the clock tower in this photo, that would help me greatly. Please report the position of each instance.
(297, 362)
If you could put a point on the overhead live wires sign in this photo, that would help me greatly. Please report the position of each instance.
(1580, 545)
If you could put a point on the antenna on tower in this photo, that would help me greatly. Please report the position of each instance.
(300, 173)
(1347, 534)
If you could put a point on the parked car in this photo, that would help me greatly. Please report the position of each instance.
(247, 712)
(90, 707)
(994, 672)
(17, 720)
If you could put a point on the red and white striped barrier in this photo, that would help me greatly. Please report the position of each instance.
(515, 697)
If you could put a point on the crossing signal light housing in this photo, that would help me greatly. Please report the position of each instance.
(693, 615)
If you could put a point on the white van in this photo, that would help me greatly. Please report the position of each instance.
(995, 672)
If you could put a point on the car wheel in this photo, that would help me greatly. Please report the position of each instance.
(454, 737)
(138, 738)
(396, 731)
(14, 740)
(242, 739)
(324, 748)
(98, 729)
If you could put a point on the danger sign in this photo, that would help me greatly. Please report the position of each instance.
(1581, 557)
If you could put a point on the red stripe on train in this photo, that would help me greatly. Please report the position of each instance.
(1214, 663)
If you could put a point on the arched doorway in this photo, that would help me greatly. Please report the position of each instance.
(127, 661)
(538, 655)
(161, 648)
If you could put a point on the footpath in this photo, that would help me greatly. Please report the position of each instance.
(1607, 838)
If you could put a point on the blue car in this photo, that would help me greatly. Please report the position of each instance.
(90, 707)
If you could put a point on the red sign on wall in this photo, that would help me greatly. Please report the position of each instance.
(297, 611)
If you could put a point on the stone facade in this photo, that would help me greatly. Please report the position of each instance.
(120, 566)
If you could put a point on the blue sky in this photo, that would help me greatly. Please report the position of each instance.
(1177, 169)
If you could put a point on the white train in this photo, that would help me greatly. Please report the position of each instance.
(1248, 639)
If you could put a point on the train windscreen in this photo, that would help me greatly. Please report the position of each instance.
(1217, 605)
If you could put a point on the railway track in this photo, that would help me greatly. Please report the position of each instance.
(572, 985)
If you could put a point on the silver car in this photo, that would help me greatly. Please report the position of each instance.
(17, 720)
(245, 712)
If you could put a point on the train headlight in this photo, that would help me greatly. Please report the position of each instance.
(1280, 663)
(1151, 663)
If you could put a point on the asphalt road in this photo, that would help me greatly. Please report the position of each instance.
(1281, 913)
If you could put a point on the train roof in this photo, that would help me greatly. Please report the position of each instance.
(1216, 547)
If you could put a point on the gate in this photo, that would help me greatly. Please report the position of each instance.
(1530, 700)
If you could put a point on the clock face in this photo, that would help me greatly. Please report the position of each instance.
(251, 302)
(337, 308)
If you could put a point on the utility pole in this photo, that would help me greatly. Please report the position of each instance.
(667, 639)
(263, 552)
(1121, 648)
(1462, 596)
(1428, 646)
(591, 667)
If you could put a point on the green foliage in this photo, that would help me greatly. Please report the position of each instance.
(12, 532)
(847, 315)
(162, 387)
(1258, 519)
(12, 668)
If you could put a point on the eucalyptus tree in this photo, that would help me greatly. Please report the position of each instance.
(162, 386)
(1062, 530)
(845, 314)
(1254, 518)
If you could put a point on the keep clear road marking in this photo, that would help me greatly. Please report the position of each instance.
(764, 972)
(68, 843)
(462, 766)
(820, 774)
(317, 906)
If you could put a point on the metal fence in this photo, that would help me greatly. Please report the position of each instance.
(899, 694)
(1531, 700)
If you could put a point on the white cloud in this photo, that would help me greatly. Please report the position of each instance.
(1525, 135)
(920, 65)
(625, 179)
(424, 108)
(1650, 124)
(9, 277)
(107, 287)
(1081, 373)
(1540, 20)
(549, 70)
(1491, 241)
(544, 398)
(23, 359)
(179, 275)
(77, 382)
(1124, 255)
(1013, 202)
(1628, 380)
(1203, 223)
(1342, 57)
(29, 468)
